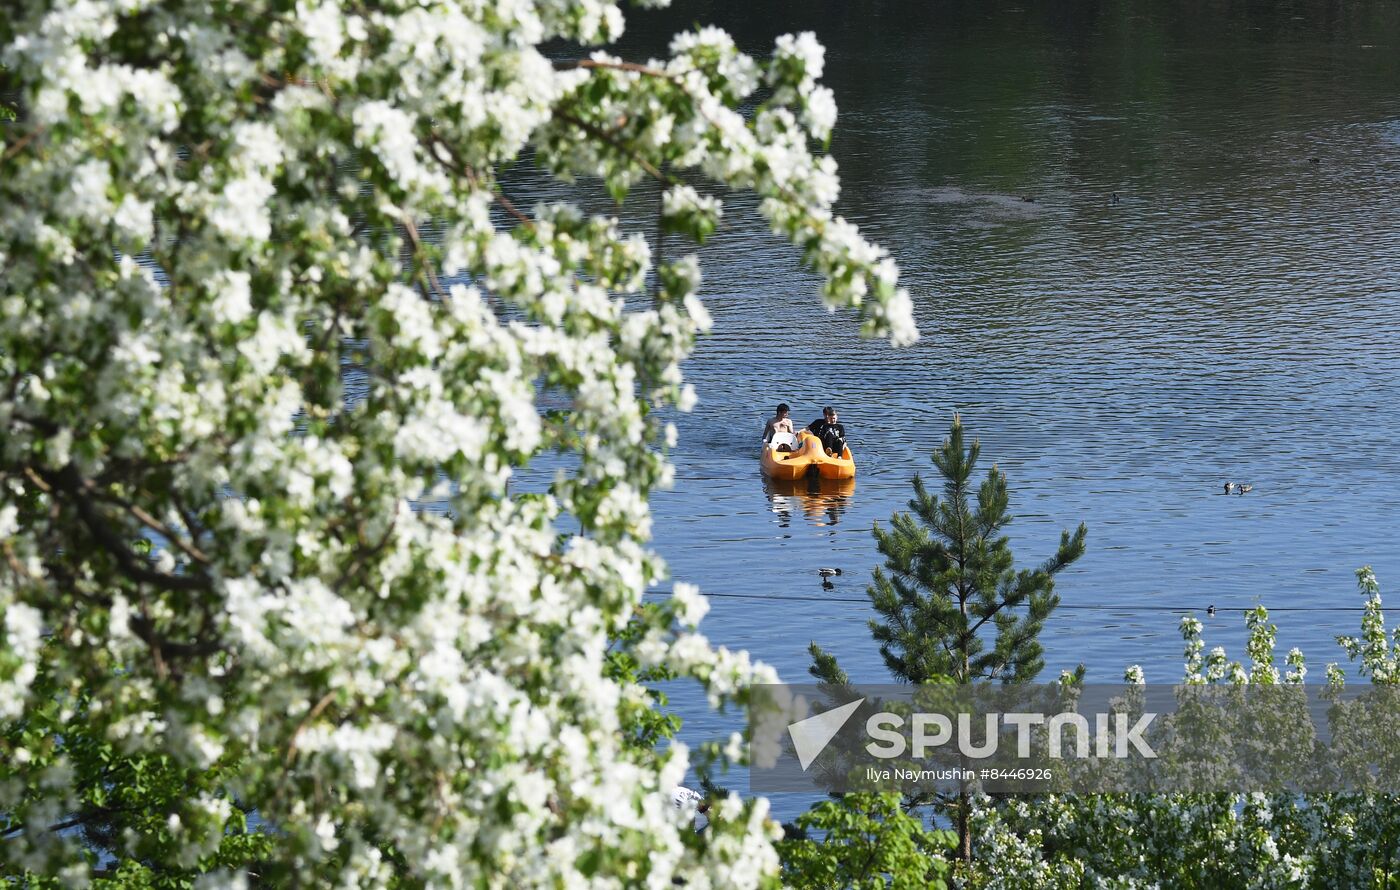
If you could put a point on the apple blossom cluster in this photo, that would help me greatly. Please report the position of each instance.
(660, 119)
(1379, 654)
(263, 295)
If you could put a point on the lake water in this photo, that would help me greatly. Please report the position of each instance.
(1234, 314)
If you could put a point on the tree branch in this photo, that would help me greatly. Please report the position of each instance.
(21, 143)
(311, 715)
(68, 823)
(466, 170)
(633, 67)
(71, 483)
(15, 565)
(600, 134)
(424, 265)
(146, 519)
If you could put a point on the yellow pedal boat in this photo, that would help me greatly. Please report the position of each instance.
(806, 456)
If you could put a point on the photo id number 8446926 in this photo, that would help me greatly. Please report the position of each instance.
(1022, 774)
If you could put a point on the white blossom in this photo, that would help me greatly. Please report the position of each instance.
(299, 397)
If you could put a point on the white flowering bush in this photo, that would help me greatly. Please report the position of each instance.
(216, 212)
(1220, 840)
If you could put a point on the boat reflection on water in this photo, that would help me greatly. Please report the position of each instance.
(821, 500)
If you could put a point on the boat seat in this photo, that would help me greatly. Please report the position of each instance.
(787, 439)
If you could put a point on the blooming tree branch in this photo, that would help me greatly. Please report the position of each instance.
(239, 359)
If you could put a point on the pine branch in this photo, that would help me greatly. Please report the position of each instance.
(826, 669)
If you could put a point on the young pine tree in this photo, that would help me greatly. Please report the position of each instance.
(949, 588)
(951, 604)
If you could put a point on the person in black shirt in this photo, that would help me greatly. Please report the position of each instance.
(831, 433)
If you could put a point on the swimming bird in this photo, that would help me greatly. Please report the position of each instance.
(1113, 198)
(827, 573)
(1229, 487)
(1315, 161)
(1210, 610)
(1243, 487)
(1028, 199)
